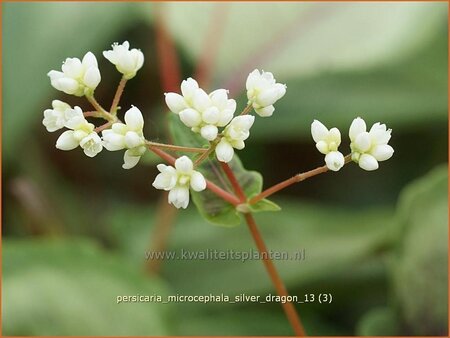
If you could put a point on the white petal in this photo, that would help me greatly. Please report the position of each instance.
(231, 105)
(67, 141)
(138, 58)
(334, 136)
(211, 115)
(382, 152)
(281, 90)
(113, 141)
(60, 105)
(368, 162)
(72, 67)
(133, 140)
(189, 87)
(322, 147)
(209, 132)
(110, 56)
(357, 127)
(318, 131)
(265, 111)
(198, 182)
(334, 160)
(184, 165)
(175, 102)
(77, 122)
(134, 119)
(167, 179)
(70, 114)
(378, 127)
(225, 117)
(179, 197)
(363, 142)
(89, 60)
(92, 77)
(219, 98)
(91, 144)
(380, 136)
(224, 151)
(54, 74)
(130, 160)
(252, 79)
(201, 100)
(244, 122)
(67, 85)
(268, 97)
(119, 128)
(190, 117)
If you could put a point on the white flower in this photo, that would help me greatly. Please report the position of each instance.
(81, 134)
(77, 77)
(128, 135)
(327, 142)
(234, 136)
(127, 62)
(263, 92)
(199, 111)
(178, 180)
(57, 118)
(368, 148)
(91, 144)
(334, 160)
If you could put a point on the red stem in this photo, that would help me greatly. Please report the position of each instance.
(233, 180)
(118, 95)
(288, 307)
(295, 179)
(222, 193)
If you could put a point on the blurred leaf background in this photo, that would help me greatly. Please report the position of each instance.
(75, 230)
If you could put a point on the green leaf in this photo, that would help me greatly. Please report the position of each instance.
(64, 288)
(210, 206)
(264, 205)
(419, 268)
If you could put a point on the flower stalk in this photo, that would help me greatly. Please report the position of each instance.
(288, 307)
(294, 179)
(118, 95)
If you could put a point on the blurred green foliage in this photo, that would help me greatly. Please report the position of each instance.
(386, 268)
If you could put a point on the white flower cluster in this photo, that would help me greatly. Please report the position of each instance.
(206, 113)
(199, 111)
(81, 78)
(81, 132)
(367, 148)
(128, 135)
(178, 180)
(210, 115)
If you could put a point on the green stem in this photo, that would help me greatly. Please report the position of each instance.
(247, 109)
(205, 154)
(103, 113)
